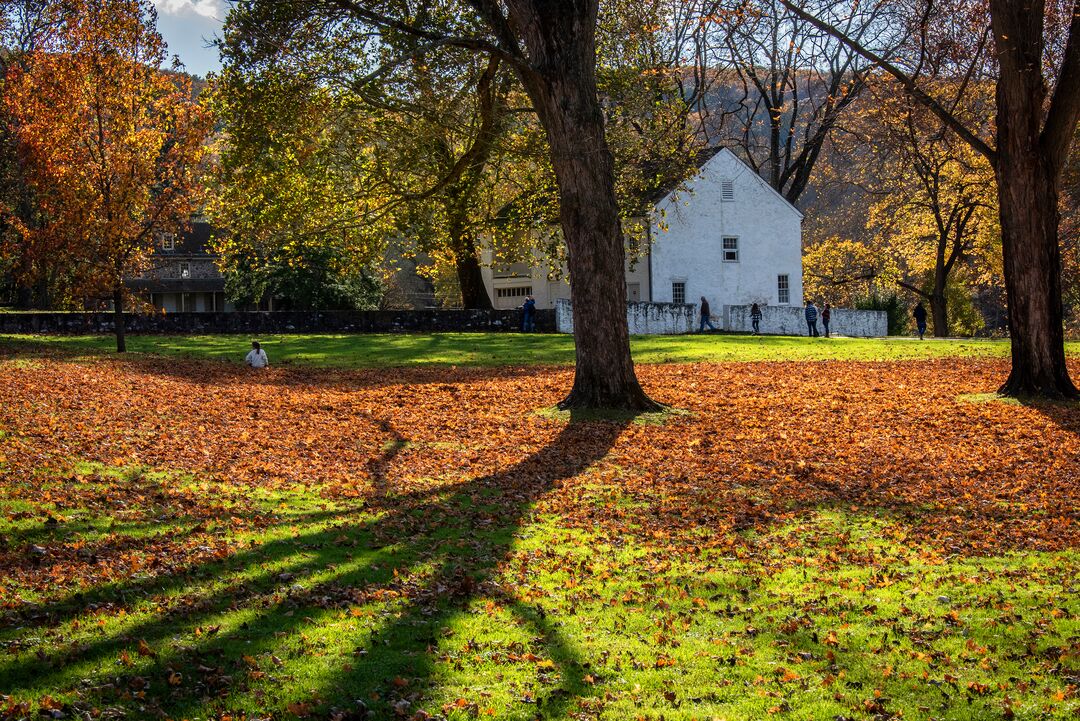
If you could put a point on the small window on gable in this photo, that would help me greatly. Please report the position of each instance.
(168, 241)
(678, 292)
(727, 190)
(731, 249)
(783, 292)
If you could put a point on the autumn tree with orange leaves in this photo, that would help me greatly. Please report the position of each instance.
(111, 144)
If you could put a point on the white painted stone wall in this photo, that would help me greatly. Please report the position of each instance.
(787, 320)
(690, 249)
(642, 318)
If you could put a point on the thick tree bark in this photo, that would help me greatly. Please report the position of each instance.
(118, 319)
(1032, 264)
(1027, 181)
(470, 278)
(939, 313)
(560, 38)
(1033, 141)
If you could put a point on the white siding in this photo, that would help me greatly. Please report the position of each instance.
(690, 249)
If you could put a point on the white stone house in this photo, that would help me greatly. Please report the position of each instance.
(729, 237)
(726, 235)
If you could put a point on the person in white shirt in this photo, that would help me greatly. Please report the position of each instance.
(256, 357)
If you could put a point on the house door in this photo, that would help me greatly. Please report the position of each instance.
(633, 292)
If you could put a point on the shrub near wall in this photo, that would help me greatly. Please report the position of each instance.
(368, 321)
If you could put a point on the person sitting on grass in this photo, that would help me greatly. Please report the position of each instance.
(256, 357)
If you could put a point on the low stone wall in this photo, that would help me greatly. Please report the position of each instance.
(642, 318)
(790, 320)
(367, 321)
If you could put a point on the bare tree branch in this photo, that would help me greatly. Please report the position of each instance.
(906, 81)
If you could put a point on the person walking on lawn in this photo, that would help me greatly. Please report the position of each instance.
(920, 319)
(811, 319)
(826, 314)
(705, 319)
(528, 315)
(755, 318)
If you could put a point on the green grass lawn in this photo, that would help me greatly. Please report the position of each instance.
(717, 566)
(835, 616)
(495, 349)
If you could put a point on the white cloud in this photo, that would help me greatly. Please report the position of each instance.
(206, 8)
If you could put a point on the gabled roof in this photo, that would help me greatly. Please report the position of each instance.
(717, 152)
(701, 159)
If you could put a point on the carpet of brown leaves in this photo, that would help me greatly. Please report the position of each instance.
(761, 444)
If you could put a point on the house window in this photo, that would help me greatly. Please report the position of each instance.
(168, 241)
(727, 190)
(678, 292)
(519, 291)
(185, 270)
(783, 291)
(731, 249)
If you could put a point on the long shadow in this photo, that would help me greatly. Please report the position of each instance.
(448, 541)
(1064, 414)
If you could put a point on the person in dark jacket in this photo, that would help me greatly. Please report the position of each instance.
(755, 318)
(528, 315)
(705, 320)
(920, 319)
(826, 315)
(811, 319)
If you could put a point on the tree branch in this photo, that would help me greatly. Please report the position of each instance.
(905, 80)
(908, 286)
(511, 55)
(1065, 105)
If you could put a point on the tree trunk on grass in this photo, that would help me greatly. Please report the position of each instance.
(1033, 139)
(939, 308)
(118, 320)
(561, 42)
(1032, 264)
(939, 314)
(1028, 175)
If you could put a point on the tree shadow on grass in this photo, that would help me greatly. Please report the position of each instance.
(1064, 414)
(407, 570)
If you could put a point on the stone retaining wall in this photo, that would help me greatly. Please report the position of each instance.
(368, 321)
(642, 318)
(789, 320)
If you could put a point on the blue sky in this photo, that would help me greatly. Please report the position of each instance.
(187, 26)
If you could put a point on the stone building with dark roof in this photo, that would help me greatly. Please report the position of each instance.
(184, 276)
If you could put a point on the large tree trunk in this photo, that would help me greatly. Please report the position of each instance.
(470, 277)
(939, 313)
(561, 46)
(1028, 202)
(118, 320)
(1032, 263)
